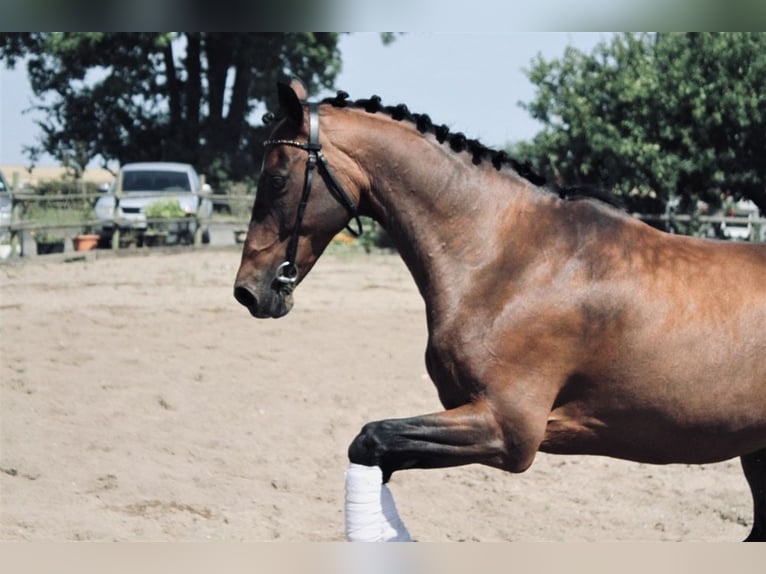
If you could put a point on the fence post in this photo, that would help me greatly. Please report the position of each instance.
(201, 195)
(117, 195)
(753, 228)
(197, 232)
(17, 236)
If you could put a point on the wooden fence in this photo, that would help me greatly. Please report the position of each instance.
(743, 228)
(748, 228)
(20, 222)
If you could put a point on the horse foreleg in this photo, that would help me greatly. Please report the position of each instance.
(459, 436)
(754, 465)
(471, 433)
(464, 435)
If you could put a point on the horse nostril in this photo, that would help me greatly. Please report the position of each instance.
(245, 297)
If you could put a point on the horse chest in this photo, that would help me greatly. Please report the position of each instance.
(455, 381)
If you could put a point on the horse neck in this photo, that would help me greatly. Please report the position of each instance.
(443, 213)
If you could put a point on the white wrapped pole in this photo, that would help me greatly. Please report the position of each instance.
(371, 514)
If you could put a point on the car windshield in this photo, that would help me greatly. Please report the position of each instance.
(155, 181)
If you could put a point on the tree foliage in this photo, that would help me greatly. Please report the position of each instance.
(656, 116)
(164, 96)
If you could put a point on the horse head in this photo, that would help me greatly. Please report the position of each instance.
(300, 206)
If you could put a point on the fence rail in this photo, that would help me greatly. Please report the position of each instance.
(79, 218)
(735, 219)
(747, 227)
(11, 231)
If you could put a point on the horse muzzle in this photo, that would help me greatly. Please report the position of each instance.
(271, 303)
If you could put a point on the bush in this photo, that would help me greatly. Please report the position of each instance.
(165, 209)
(61, 187)
(374, 236)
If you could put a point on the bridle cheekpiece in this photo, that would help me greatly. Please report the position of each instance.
(287, 272)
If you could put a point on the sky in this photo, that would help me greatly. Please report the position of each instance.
(472, 82)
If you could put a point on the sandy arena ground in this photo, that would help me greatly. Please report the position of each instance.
(139, 401)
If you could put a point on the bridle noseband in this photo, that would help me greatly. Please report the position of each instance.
(287, 272)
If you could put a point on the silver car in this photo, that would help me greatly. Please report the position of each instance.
(141, 184)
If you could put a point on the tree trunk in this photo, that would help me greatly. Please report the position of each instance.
(238, 107)
(174, 92)
(217, 67)
(193, 91)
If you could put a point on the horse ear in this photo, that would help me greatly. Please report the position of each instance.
(300, 89)
(290, 100)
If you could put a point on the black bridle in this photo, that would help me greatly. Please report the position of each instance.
(287, 272)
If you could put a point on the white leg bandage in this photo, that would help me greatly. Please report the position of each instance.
(371, 514)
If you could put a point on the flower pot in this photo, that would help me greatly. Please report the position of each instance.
(85, 241)
(47, 247)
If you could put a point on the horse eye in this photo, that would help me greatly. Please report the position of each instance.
(278, 182)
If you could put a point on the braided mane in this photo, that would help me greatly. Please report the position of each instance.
(458, 142)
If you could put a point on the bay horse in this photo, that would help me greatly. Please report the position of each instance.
(556, 323)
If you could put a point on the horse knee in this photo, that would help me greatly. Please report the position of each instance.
(518, 460)
(369, 445)
(465, 435)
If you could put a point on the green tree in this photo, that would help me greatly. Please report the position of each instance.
(164, 96)
(656, 116)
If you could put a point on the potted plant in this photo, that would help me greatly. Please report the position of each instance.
(157, 230)
(48, 242)
(86, 239)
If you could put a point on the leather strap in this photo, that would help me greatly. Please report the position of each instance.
(287, 272)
